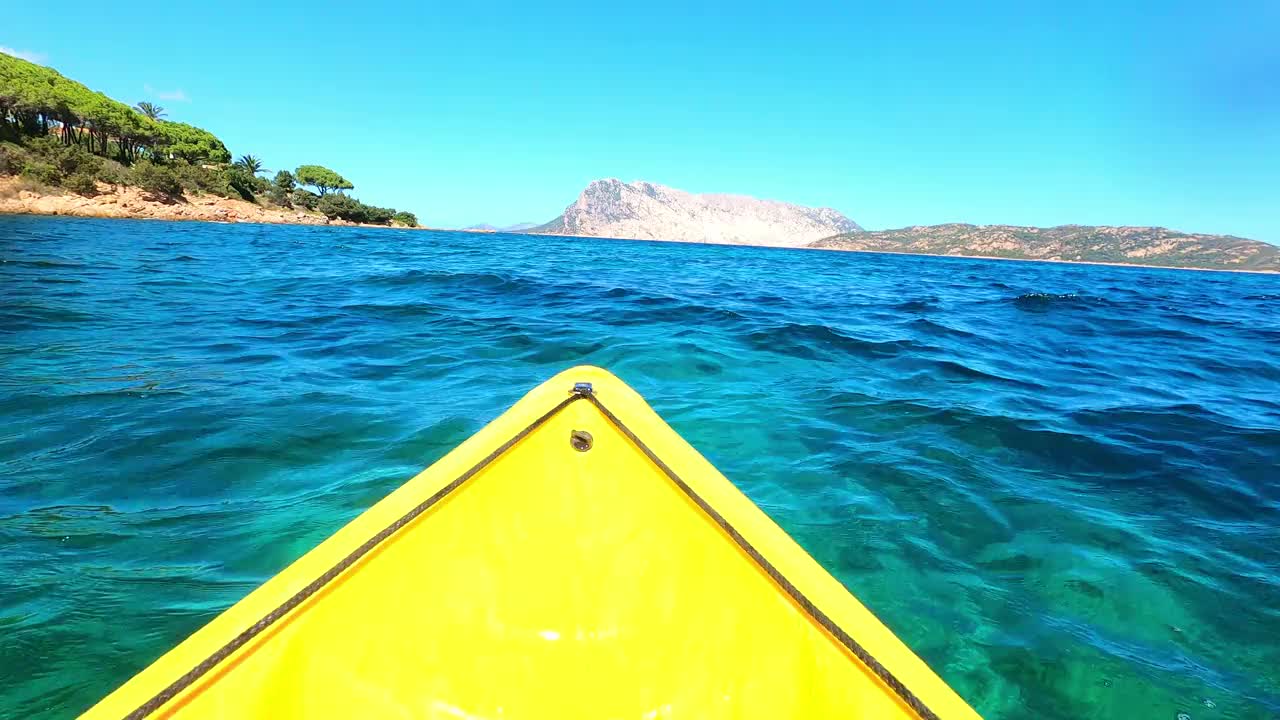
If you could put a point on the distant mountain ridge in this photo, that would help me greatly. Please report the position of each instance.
(648, 211)
(1068, 243)
(486, 227)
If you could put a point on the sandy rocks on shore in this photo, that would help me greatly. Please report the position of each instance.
(118, 201)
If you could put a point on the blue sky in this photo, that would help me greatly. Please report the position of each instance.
(897, 114)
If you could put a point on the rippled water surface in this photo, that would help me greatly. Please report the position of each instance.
(1059, 484)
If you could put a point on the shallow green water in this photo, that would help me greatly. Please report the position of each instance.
(1060, 485)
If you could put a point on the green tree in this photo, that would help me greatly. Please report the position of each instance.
(405, 218)
(322, 179)
(338, 206)
(251, 164)
(153, 112)
(187, 142)
(284, 181)
(239, 179)
(56, 129)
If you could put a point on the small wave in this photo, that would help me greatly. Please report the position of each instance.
(1264, 297)
(418, 309)
(816, 341)
(937, 329)
(953, 369)
(563, 352)
(680, 314)
(45, 264)
(28, 316)
(916, 306)
(1048, 301)
(313, 319)
(400, 279)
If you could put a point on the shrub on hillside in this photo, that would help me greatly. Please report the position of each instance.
(11, 161)
(377, 215)
(81, 184)
(336, 205)
(112, 172)
(42, 172)
(153, 178)
(228, 182)
(42, 146)
(339, 206)
(193, 178)
(239, 180)
(49, 162)
(304, 198)
(74, 160)
(405, 218)
(279, 196)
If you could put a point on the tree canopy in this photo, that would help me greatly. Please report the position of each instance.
(284, 180)
(321, 178)
(190, 143)
(36, 100)
(65, 134)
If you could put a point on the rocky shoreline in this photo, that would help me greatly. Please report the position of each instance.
(21, 197)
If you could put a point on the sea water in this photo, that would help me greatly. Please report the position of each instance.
(1059, 484)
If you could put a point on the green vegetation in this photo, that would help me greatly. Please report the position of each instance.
(341, 207)
(281, 188)
(155, 112)
(155, 179)
(322, 178)
(284, 181)
(59, 133)
(250, 163)
(304, 199)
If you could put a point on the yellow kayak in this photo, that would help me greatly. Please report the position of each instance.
(576, 558)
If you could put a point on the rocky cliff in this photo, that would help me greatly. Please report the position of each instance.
(1069, 243)
(645, 211)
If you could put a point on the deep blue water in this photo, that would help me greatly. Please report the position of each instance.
(1059, 484)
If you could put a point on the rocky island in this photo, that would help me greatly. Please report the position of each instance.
(648, 211)
(1156, 246)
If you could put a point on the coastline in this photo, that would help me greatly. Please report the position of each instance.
(19, 197)
(1046, 260)
(934, 255)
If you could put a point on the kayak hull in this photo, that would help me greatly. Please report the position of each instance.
(574, 559)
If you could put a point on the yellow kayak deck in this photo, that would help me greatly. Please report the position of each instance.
(576, 558)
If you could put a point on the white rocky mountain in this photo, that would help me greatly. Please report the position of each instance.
(645, 211)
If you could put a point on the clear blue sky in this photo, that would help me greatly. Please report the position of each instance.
(896, 113)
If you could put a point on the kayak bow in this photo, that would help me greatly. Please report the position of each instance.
(576, 558)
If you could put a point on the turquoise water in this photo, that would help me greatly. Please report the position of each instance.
(1059, 484)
